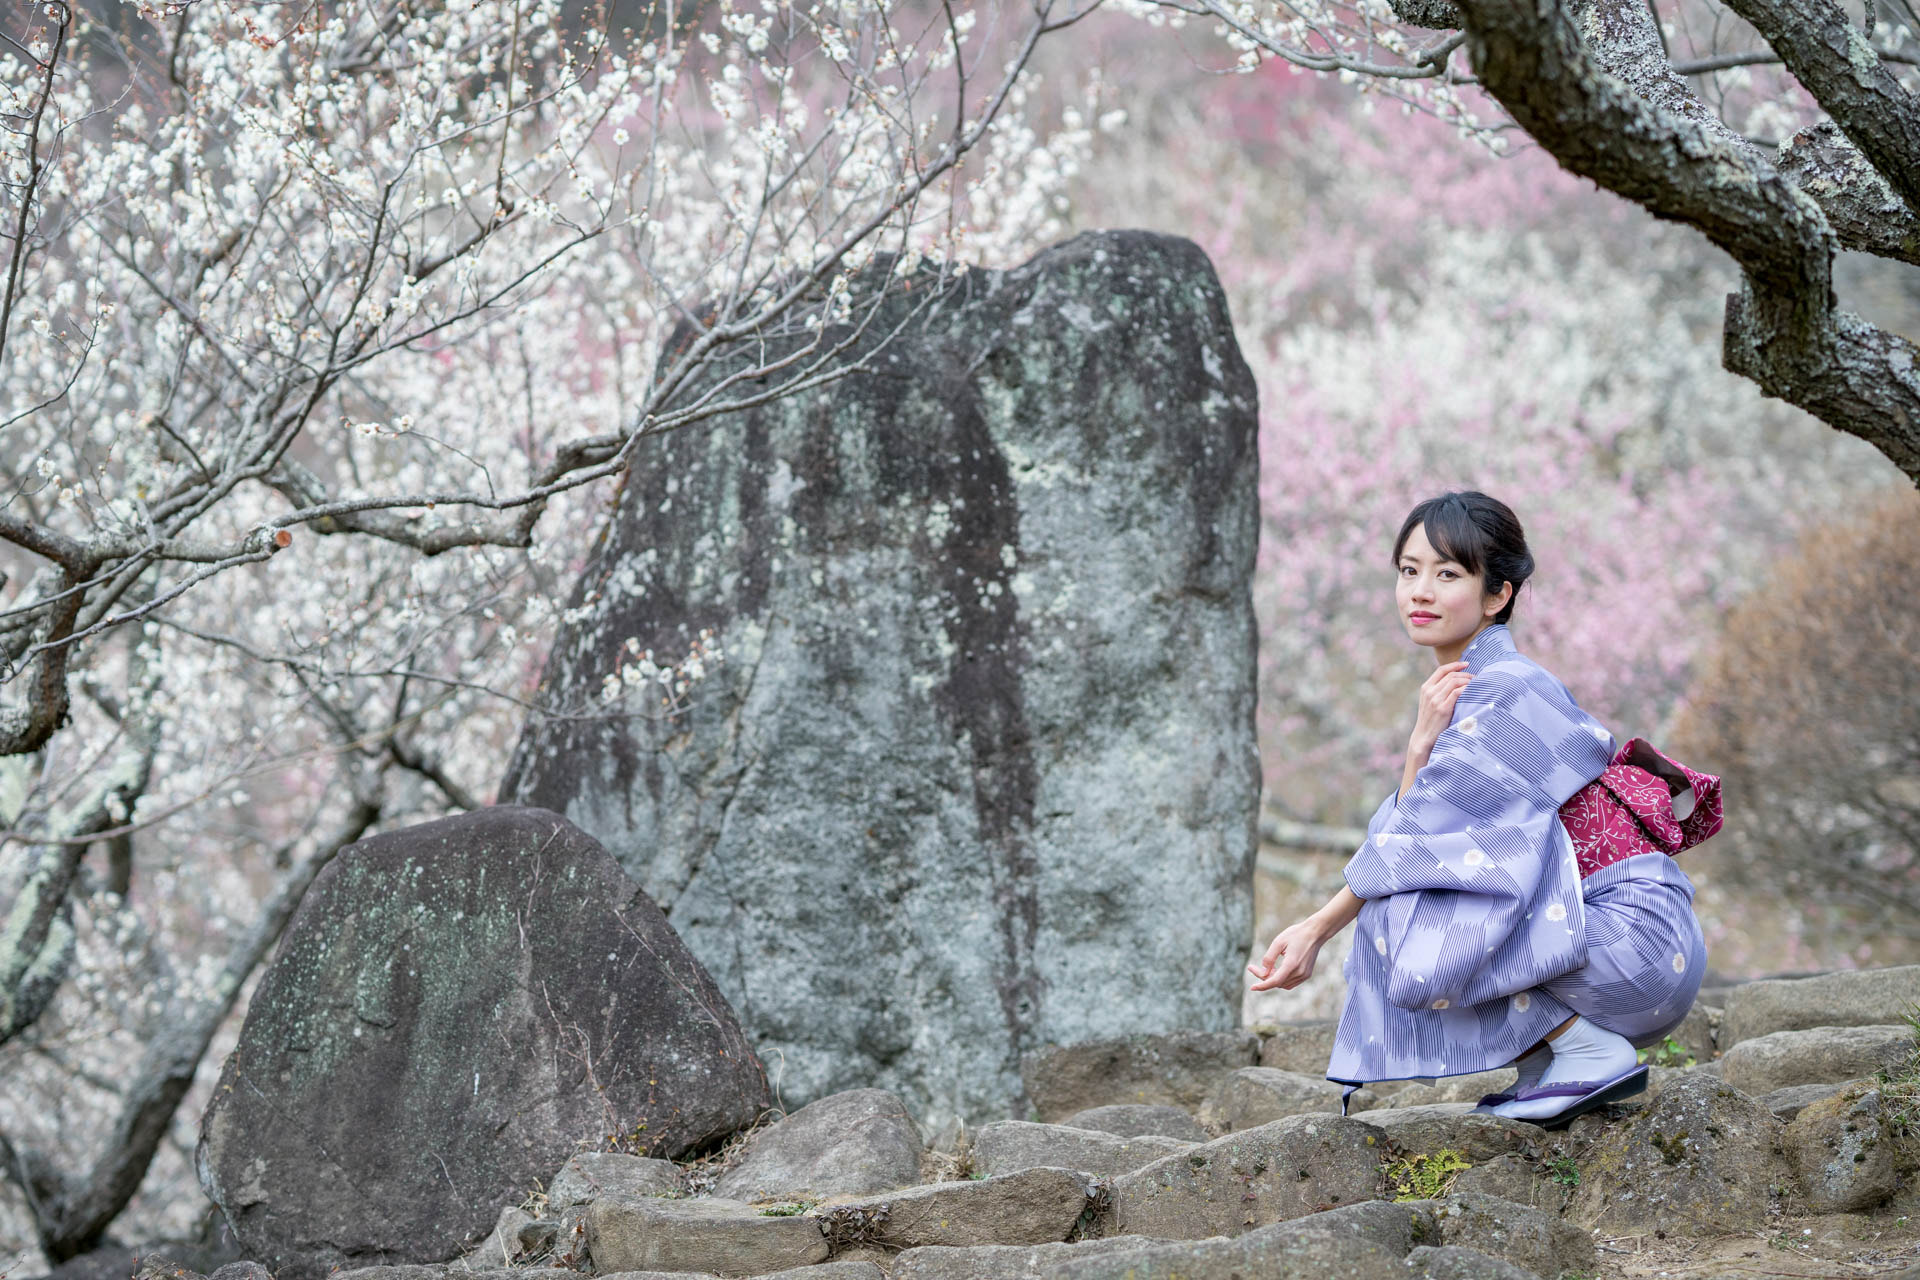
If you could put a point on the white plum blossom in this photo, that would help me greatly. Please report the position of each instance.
(339, 331)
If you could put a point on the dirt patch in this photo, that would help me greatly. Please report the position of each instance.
(1827, 1247)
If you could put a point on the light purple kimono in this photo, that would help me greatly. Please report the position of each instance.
(1475, 938)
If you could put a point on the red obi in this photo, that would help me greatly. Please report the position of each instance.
(1642, 803)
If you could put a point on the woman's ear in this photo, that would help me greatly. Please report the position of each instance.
(1498, 600)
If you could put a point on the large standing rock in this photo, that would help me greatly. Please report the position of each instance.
(846, 1144)
(1856, 998)
(455, 1006)
(978, 771)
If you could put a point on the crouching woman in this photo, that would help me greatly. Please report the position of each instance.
(1483, 938)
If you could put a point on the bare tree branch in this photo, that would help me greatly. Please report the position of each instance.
(72, 1216)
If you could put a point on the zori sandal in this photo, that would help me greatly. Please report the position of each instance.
(1583, 1096)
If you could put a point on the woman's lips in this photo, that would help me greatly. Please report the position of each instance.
(1422, 619)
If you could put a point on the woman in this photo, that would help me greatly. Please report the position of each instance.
(1478, 943)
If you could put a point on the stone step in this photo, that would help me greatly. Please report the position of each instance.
(1178, 1069)
(1452, 1126)
(1855, 998)
(1703, 1158)
(1534, 1239)
(1465, 1088)
(1842, 1149)
(1786, 1104)
(1817, 1055)
(1282, 1170)
(1004, 1261)
(1523, 1179)
(1032, 1206)
(1477, 1236)
(1456, 1262)
(838, 1269)
(724, 1237)
(593, 1174)
(1007, 1146)
(1253, 1096)
(1140, 1120)
(1303, 1048)
(853, 1143)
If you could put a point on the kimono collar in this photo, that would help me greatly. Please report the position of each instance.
(1492, 644)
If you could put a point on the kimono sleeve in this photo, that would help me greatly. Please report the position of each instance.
(1381, 816)
(1484, 896)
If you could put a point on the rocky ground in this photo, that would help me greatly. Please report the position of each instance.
(1780, 1137)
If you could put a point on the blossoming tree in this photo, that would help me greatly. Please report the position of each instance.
(324, 330)
(1785, 134)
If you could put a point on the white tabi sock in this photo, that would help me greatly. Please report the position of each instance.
(1531, 1066)
(1582, 1052)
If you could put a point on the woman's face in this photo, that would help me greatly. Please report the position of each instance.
(1440, 603)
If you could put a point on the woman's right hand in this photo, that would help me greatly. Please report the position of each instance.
(1438, 693)
(1289, 958)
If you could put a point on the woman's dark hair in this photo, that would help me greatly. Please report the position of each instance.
(1478, 533)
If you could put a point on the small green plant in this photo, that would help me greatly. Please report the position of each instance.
(1671, 1146)
(1564, 1171)
(1789, 1240)
(634, 1142)
(1668, 1053)
(1900, 1083)
(792, 1210)
(1426, 1177)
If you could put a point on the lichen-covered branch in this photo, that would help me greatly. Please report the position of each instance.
(1860, 205)
(1783, 329)
(1827, 53)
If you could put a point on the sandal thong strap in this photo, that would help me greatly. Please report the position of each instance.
(1579, 1088)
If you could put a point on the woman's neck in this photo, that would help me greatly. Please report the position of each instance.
(1445, 653)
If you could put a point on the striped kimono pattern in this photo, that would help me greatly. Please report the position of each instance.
(1478, 935)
